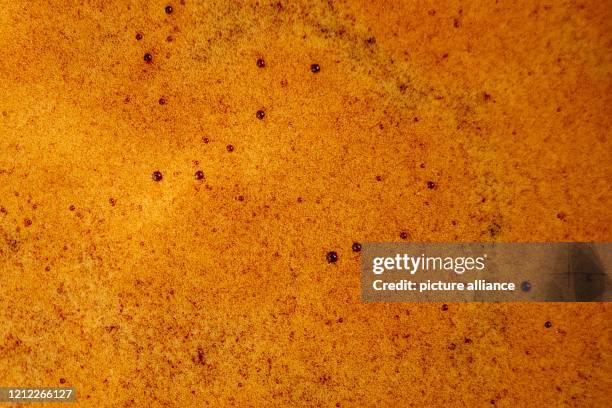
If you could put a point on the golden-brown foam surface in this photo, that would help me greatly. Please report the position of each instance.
(217, 292)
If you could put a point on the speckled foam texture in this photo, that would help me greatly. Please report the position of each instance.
(187, 293)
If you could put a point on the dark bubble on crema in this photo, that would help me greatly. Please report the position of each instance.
(157, 175)
(332, 257)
